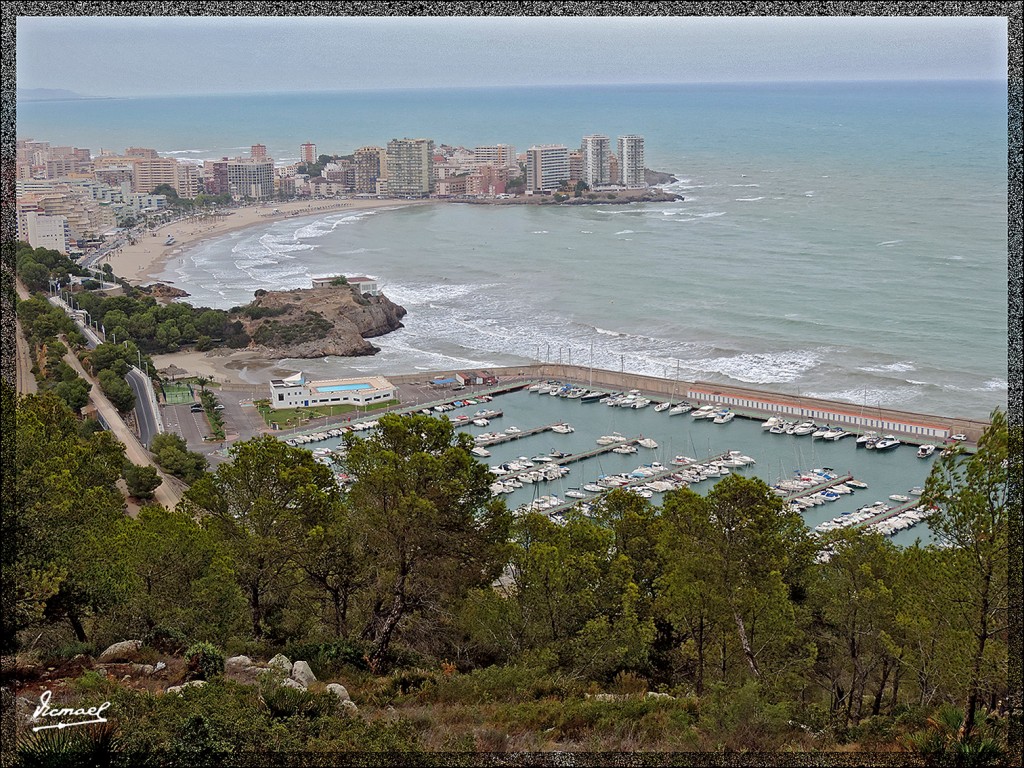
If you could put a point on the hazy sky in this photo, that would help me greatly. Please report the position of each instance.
(128, 56)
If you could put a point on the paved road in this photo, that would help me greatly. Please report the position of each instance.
(26, 380)
(146, 418)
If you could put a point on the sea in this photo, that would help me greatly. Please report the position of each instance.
(836, 240)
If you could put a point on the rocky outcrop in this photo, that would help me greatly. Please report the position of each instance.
(280, 661)
(244, 670)
(302, 674)
(657, 177)
(123, 651)
(340, 691)
(162, 292)
(315, 322)
(183, 686)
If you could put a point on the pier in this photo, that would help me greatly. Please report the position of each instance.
(572, 458)
(823, 486)
(505, 438)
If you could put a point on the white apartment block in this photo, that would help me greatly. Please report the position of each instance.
(410, 167)
(371, 165)
(498, 155)
(631, 161)
(596, 151)
(547, 167)
(50, 232)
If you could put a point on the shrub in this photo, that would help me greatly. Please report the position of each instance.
(283, 701)
(165, 639)
(204, 661)
(327, 659)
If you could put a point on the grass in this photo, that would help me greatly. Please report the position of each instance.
(287, 418)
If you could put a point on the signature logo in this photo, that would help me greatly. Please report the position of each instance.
(44, 710)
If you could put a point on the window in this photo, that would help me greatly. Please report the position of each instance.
(280, 398)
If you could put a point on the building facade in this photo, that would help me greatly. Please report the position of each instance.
(499, 155)
(547, 167)
(307, 152)
(410, 164)
(296, 392)
(631, 161)
(596, 151)
(241, 177)
(371, 164)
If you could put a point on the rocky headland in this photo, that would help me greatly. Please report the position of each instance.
(316, 322)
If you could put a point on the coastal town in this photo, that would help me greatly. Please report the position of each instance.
(74, 201)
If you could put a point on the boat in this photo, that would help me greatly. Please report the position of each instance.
(887, 443)
(575, 493)
(925, 451)
(806, 428)
(513, 431)
(771, 422)
(624, 449)
(705, 412)
(563, 429)
(481, 423)
(681, 461)
(660, 407)
(592, 396)
(899, 497)
(835, 434)
(676, 410)
(476, 450)
(917, 490)
(169, 240)
(646, 442)
(724, 417)
(593, 488)
(615, 437)
(863, 440)
(860, 484)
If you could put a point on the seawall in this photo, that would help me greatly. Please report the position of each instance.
(919, 427)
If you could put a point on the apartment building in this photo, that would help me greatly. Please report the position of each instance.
(499, 155)
(307, 152)
(43, 231)
(547, 167)
(410, 164)
(631, 161)
(258, 152)
(241, 177)
(371, 164)
(596, 151)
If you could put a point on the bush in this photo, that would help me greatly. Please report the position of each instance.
(328, 659)
(204, 661)
(165, 639)
(283, 701)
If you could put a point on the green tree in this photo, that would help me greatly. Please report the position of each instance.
(141, 480)
(751, 554)
(259, 507)
(75, 393)
(117, 390)
(970, 493)
(172, 455)
(424, 518)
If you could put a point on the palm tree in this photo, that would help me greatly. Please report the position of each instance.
(202, 381)
(946, 743)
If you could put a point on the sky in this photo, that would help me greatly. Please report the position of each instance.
(143, 56)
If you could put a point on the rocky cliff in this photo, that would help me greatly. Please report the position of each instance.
(315, 322)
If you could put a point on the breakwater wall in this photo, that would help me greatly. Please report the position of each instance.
(919, 427)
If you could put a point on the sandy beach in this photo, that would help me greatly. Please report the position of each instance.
(230, 367)
(143, 261)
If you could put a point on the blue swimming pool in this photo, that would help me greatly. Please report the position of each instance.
(343, 387)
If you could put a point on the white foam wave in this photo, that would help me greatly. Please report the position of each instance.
(586, 232)
(915, 381)
(762, 367)
(183, 152)
(540, 232)
(423, 294)
(809, 194)
(879, 396)
(606, 332)
(744, 185)
(625, 232)
(748, 199)
(699, 216)
(900, 367)
(888, 243)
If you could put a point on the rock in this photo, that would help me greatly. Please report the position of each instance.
(189, 684)
(340, 691)
(656, 695)
(281, 662)
(350, 706)
(143, 669)
(302, 674)
(159, 665)
(120, 651)
(289, 683)
(242, 669)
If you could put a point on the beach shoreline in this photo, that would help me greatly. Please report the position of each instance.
(144, 261)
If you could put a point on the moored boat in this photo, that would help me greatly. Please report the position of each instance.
(925, 451)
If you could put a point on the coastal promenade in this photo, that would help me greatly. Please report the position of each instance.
(753, 403)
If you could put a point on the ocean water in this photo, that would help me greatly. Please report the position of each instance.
(838, 240)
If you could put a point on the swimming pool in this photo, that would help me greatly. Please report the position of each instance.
(343, 387)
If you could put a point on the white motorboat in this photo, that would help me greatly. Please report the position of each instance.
(806, 428)
(925, 451)
(887, 443)
(917, 490)
(835, 434)
(771, 422)
(821, 431)
(859, 484)
(563, 429)
(867, 437)
(705, 412)
(660, 407)
(676, 410)
(575, 493)
(593, 488)
(478, 451)
(646, 442)
(625, 449)
(481, 422)
(615, 437)
(899, 497)
(724, 417)
(681, 461)
(513, 431)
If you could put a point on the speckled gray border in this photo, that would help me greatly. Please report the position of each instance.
(11, 9)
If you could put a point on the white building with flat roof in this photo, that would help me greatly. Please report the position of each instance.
(631, 161)
(296, 392)
(547, 167)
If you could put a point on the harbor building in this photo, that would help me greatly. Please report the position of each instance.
(631, 161)
(596, 151)
(296, 392)
(547, 167)
(410, 164)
